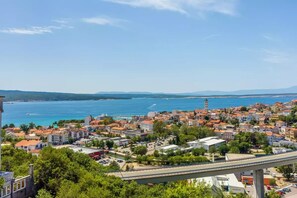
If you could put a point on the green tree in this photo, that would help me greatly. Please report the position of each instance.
(159, 128)
(198, 151)
(243, 109)
(234, 150)
(287, 171)
(140, 150)
(101, 144)
(2, 182)
(272, 194)
(24, 128)
(223, 149)
(156, 153)
(193, 190)
(268, 150)
(32, 125)
(42, 193)
(108, 120)
(212, 149)
(109, 144)
(244, 147)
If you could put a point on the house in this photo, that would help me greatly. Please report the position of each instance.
(30, 145)
(272, 137)
(147, 125)
(225, 134)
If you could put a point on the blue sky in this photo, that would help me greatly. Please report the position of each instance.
(86, 46)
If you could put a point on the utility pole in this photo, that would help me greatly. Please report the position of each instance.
(1, 111)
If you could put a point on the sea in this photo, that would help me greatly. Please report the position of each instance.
(45, 113)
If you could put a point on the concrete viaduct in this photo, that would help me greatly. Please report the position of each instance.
(161, 175)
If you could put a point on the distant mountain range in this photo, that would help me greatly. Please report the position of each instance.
(16, 95)
(290, 90)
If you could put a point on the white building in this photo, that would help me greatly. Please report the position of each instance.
(207, 143)
(58, 138)
(147, 125)
(30, 145)
(151, 114)
(172, 147)
(88, 119)
(227, 183)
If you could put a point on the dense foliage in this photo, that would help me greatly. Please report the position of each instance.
(244, 141)
(16, 160)
(182, 133)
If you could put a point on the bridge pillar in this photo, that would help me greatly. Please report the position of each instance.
(258, 176)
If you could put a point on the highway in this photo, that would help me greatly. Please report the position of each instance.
(175, 173)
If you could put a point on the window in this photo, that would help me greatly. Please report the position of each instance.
(23, 184)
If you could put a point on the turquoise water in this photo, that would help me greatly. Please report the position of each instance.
(45, 113)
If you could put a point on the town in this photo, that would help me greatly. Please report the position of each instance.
(161, 139)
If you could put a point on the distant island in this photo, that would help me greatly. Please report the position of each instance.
(26, 96)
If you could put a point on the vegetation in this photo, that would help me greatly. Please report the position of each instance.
(63, 173)
(182, 133)
(51, 96)
(140, 150)
(272, 194)
(16, 160)
(61, 123)
(173, 158)
(244, 141)
(287, 171)
(108, 120)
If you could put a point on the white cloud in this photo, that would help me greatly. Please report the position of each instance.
(103, 20)
(276, 57)
(37, 30)
(30, 31)
(227, 7)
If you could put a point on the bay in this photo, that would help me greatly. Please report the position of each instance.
(45, 113)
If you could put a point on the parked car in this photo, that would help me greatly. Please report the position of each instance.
(287, 190)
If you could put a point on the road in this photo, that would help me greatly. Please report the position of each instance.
(210, 169)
